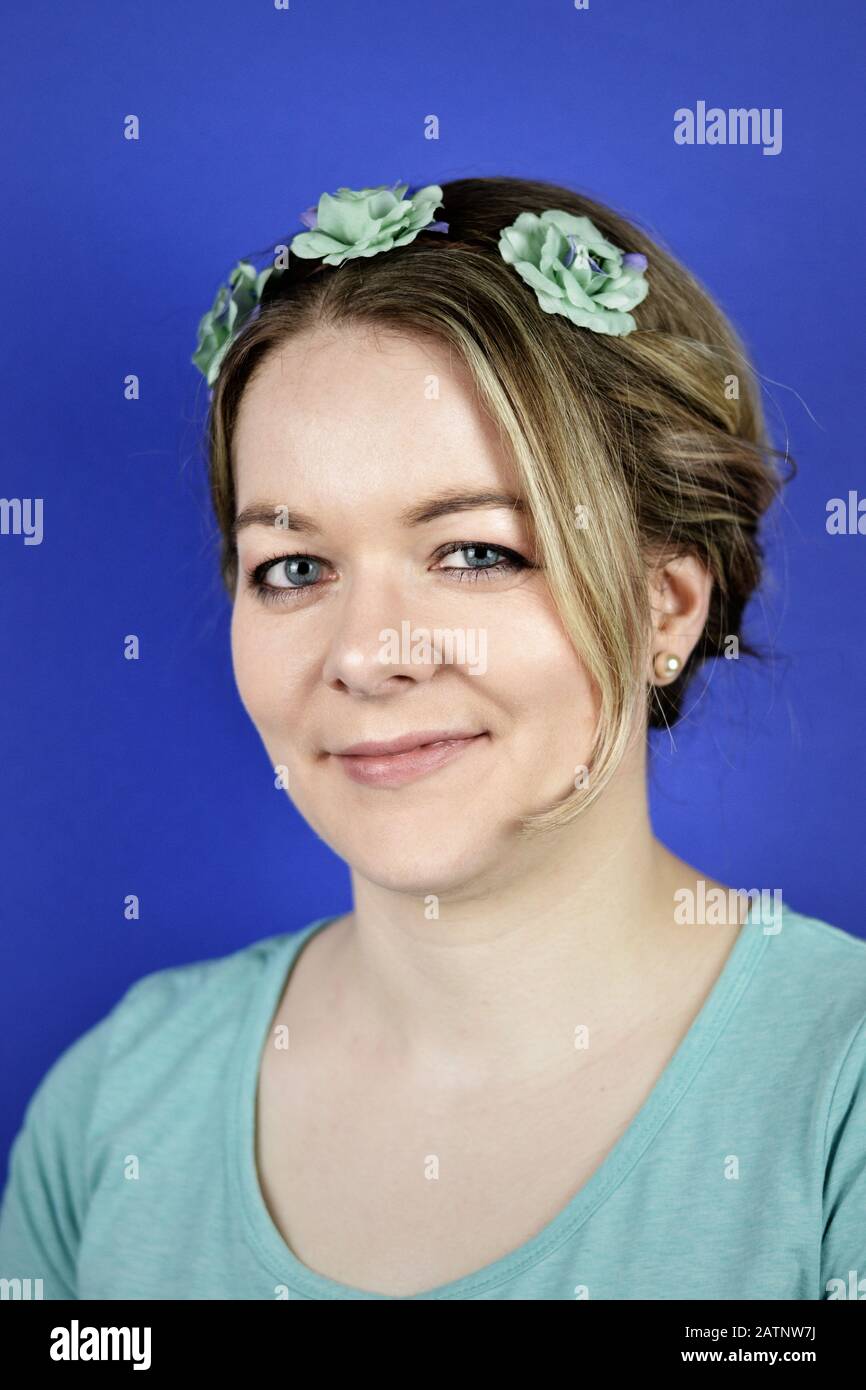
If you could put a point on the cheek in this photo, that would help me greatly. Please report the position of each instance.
(247, 671)
(265, 674)
(535, 660)
(550, 692)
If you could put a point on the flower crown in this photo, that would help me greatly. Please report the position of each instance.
(572, 268)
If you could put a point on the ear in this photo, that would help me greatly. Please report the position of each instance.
(679, 592)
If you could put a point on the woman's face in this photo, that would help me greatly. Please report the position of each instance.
(341, 438)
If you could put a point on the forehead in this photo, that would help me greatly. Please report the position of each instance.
(352, 414)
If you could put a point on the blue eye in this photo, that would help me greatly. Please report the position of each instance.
(291, 568)
(477, 549)
(488, 568)
(282, 578)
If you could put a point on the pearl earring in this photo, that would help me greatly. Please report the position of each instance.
(666, 665)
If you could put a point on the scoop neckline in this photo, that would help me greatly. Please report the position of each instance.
(291, 1273)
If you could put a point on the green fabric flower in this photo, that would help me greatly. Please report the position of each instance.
(236, 302)
(363, 221)
(565, 259)
(575, 271)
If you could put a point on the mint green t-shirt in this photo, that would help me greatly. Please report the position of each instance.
(743, 1175)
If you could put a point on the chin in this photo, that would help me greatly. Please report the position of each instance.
(418, 857)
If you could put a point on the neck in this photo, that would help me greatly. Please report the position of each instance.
(581, 930)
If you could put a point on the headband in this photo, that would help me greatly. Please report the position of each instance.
(571, 267)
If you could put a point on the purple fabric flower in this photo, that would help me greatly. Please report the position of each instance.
(636, 260)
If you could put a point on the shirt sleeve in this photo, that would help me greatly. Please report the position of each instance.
(843, 1250)
(45, 1199)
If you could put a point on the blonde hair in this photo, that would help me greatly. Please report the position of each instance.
(658, 436)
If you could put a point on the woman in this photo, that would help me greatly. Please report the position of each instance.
(489, 489)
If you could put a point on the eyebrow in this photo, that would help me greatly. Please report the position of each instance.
(441, 504)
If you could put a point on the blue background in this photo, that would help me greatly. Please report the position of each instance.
(147, 777)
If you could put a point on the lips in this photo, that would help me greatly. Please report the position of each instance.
(397, 761)
(420, 739)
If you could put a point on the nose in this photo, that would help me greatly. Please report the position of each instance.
(375, 647)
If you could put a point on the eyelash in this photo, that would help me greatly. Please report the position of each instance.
(269, 593)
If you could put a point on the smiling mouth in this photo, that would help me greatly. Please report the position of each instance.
(406, 764)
